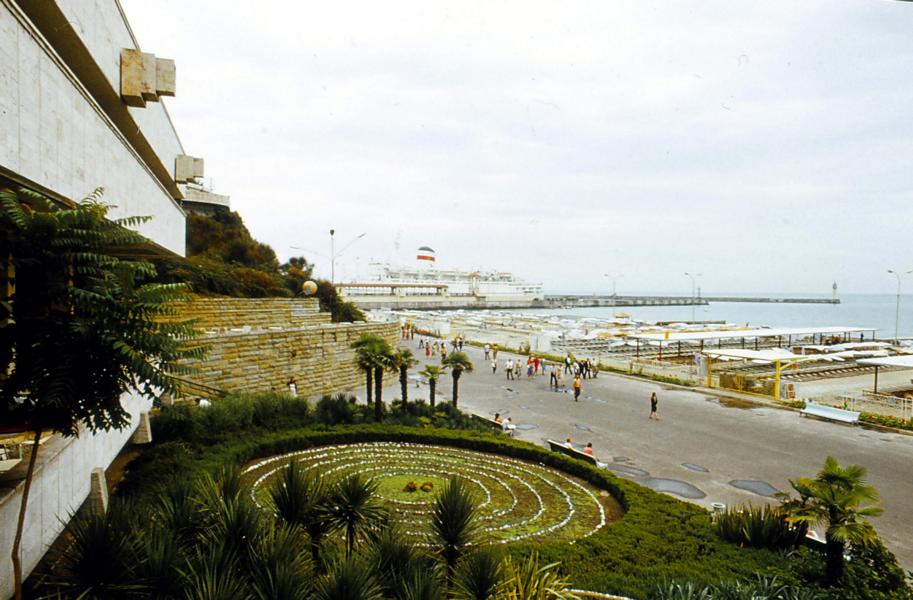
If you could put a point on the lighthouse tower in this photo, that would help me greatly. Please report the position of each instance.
(834, 292)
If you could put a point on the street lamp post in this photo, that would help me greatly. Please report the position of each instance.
(693, 284)
(898, 275)
(332, 257)
(614, 295)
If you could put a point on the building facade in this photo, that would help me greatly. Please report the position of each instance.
(81, 108)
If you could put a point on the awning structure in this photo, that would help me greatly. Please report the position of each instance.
(904, 361)
(768, 355)
(684, 336)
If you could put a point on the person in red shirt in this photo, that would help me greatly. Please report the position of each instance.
(588, 449)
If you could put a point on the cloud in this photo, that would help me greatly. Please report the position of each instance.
(767, 146)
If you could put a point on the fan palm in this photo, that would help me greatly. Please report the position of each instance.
(454, 522)
(403, 360)
(431, 373)
(835, 498)
(373, 354)
(300, 498)
(457, 362)
(353, 506)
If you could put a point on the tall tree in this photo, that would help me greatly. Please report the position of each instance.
(835, 499)
(78, 326)
(457, 362)
(403, 360)
(431, 373)
(374, 354)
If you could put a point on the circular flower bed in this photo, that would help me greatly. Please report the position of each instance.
(517, 500)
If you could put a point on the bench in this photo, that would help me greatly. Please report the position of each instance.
(830, 413)
(486, 421)
(572, 452)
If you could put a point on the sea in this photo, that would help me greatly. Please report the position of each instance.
(855, 310)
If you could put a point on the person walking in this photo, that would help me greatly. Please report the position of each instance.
(517, 368)
(536, 363)
(427, 351)
(494, 352)
(553, 379)
(487, 351)
(576, 385)
(494, 367)
(509, 368)
(567, 363)
(654, 402)
(559, 378)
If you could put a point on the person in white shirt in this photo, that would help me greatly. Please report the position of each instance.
(507, 426)
(509, 367)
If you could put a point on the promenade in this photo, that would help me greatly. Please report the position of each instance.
(700, 445)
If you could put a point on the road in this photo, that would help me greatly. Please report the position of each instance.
(699, 440)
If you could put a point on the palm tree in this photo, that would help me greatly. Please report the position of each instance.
(373, 354)
(431, 373)
(835, 498)
(458, 362)
(364, 358)
(300, 498)
(454, 522)
(403, 360)
(355, 508)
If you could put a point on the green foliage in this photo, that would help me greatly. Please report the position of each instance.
(836, 498)
(759, 527)
(336, 410)
(479, 574)
(349, 579)
(527, 580)
(82, 325)
(454, 522)
(895, 422)
(224, 259)
(354, 508)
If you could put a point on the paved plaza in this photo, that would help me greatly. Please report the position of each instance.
(701, 446)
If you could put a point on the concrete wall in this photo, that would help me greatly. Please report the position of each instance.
(53, 133)
(61, 484)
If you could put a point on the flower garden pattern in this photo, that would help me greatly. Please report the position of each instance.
(517, 500)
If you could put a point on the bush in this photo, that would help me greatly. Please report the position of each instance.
(759, 527)
(336, 410)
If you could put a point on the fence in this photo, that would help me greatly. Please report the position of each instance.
(879, 404)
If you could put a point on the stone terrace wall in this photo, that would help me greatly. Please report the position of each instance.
(224, 313)
(257, 344)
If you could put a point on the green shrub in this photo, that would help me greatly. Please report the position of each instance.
(759, 527)
(336, 410)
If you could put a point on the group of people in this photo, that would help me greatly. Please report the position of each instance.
(433, 349)
(586, 368)
(507, 425)
(513, 368)
(588, 449)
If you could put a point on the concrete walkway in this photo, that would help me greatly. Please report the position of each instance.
(702, 446)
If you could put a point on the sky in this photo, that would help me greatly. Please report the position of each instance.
(767, 146)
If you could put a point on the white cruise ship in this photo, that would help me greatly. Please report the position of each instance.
(425, 279)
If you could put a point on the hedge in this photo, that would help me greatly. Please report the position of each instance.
(659, 538)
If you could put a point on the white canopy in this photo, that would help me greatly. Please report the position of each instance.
(904, 361)
(767, 355)
(681, 336)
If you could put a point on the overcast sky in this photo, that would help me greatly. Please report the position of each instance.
(766, 145)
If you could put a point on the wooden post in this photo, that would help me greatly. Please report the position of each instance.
(875, 387)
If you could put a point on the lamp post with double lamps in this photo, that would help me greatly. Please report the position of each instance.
(693, 285)
(898, 275)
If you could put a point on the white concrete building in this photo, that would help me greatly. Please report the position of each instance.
(80, 108)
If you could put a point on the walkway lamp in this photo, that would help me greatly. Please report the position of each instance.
(898, 275)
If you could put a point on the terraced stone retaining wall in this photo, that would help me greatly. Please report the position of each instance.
(258, 344)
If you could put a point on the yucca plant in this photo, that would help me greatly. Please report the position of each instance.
(354, 508)
(421, 585)
(348, 579)
(478, 575)
(102, 559)
(212, 573)
(396, 561)
(759, 527)
(680, 591)
(82, 325)
(529, 581)
(454, 523)
(278, 567)
(300, 498)
(179, 512)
